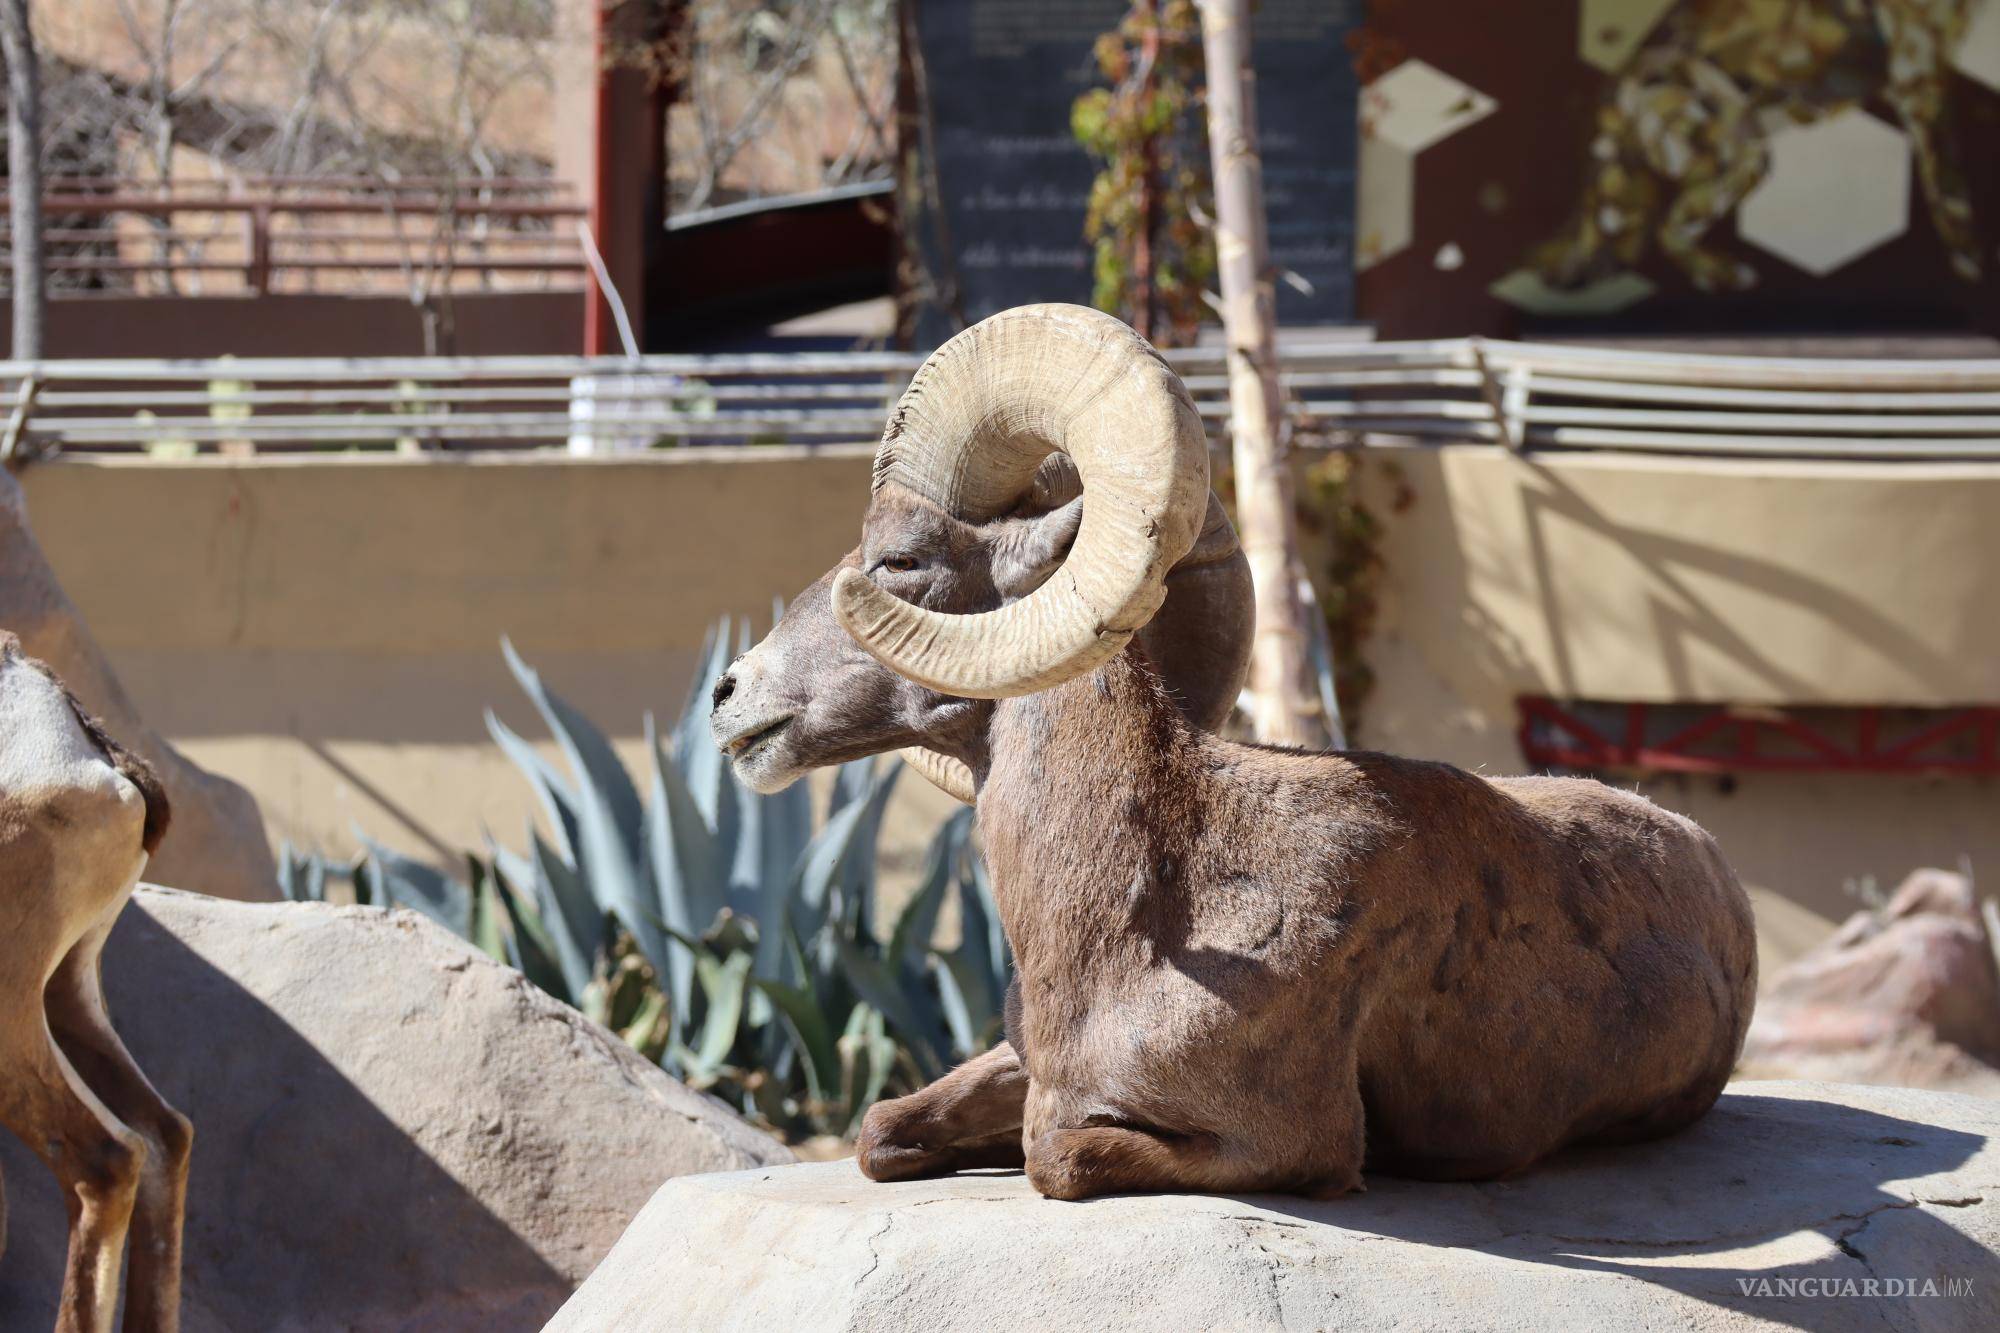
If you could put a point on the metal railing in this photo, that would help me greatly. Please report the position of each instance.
(295, 234)
(1518, 395)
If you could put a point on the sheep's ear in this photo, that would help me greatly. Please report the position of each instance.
(1027, 550)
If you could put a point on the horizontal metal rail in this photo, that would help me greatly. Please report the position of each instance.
(1522, 396)
(287, 232)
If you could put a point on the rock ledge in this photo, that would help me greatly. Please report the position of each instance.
(1808, 1185)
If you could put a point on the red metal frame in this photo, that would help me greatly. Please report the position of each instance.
(1727, 740)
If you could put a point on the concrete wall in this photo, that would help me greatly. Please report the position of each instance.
(1702, 580)
(326, 630)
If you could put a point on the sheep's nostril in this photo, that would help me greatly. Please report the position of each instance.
(723, 689)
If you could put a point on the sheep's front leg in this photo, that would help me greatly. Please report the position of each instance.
(969, 1118)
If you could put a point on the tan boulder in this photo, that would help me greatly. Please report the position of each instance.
(1907, 995)
(391, 1130)
(217, 843)
(1773, 1212)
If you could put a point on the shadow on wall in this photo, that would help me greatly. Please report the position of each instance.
(307, 1207)
(1687, 620)
(1727, 1202)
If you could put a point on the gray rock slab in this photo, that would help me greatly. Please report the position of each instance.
(1773, 1212)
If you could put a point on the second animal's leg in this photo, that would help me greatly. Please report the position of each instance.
(81, 1023)
(969, 1118)
(96, 1160)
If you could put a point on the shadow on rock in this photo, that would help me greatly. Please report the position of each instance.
(391, 1131)
(1769, 1208)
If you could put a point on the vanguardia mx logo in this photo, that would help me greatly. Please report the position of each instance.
(1949, 1287)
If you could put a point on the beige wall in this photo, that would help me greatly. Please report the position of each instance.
(326, 630)
(1702, 580)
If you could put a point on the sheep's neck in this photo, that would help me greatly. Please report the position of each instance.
(1087, 791)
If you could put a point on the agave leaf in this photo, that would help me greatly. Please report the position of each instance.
(956, 1006)
(820, 869)
(806, 1024)
(645, 1031)
(980, 918)
(857, 872)
(910, 938)
(551, 788)
(529, 946)
(707, 775)
(881, 1050)
(610, 818)
(513, 868)
(407, 882)
(681, 853)
(574, 921)
(485, 931)
(886, 993)
(592, 761)
(723, 983)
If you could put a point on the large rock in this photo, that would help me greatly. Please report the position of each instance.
(1804, 1187)
(217, 842)
(391, 1131)
(1906, 995)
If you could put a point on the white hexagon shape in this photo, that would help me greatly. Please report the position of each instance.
(1402, 113)
(1836, 189)
(1609, 31)
(1978, 54)
(1415, 105)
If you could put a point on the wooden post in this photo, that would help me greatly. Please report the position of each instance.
(257, 242)
(1283, 711)
(24, 184)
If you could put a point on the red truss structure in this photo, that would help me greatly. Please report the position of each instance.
(1681, 738)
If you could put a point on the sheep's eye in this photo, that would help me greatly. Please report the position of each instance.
(899, 564)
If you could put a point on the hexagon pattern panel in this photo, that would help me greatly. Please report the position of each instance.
(1407, 110)
(1679, 165)
(1609, 31)
(1835, 190)
(1978, 54)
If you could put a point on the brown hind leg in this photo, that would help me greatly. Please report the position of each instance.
(1093, 1160)
(96, 1159)
(969, 1118)
(81, 1023)
(1669, 1117)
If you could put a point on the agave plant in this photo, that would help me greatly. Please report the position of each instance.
(713, 928)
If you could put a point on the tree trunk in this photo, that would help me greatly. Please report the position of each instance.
(1283, 711)
(24, 182)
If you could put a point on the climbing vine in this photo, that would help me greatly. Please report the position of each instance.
(1153, 254)
(1344, 537)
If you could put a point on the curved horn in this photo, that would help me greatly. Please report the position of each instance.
(978, 418)
(948, 775)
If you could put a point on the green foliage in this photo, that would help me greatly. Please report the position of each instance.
(1347, 576)
(715, 929)
(1153, 258)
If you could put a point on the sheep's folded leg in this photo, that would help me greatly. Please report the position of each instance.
(969, 1118)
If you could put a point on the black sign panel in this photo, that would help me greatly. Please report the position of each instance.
(1002, 75)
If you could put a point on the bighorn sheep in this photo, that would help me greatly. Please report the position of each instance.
(1238, 968)
(79, 815)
